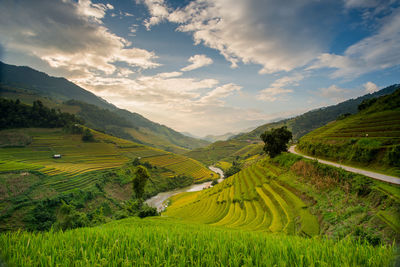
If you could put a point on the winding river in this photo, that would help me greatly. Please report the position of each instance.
(159, 200)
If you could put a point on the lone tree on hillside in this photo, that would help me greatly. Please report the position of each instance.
(276, 140)
(139, 182)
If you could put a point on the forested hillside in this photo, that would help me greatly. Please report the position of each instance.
(305, 123)
(28, 84)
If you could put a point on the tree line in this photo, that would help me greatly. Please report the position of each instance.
(15, 114)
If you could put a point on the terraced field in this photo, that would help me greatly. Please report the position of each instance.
(79, 158)
(369, 139)
(252, 199)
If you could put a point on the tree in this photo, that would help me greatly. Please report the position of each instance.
(139, 181)
(276, 140)
(87, 136)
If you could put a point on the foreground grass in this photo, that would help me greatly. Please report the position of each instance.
(165, 242)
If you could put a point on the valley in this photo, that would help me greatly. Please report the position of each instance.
(70, 182)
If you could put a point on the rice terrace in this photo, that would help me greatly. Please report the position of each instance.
(199, 133)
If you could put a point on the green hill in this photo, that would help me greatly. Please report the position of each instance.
(369, 139)
(29, 85)
(305, 123)
(288, 194)
(245, 145)
(93, 173)
(225, 151)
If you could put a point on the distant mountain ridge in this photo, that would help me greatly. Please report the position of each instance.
(311, 120)
(137, 128)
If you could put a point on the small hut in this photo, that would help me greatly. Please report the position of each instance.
(56, 156)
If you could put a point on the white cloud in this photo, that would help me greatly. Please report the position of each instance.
(270, 94)
(277, 87)
(158, 11)
(76, 41)
(334, 93)
(261, 32)
(370, 87)
(197, 61)
(376, 52)
(220, 92)
(170, 74)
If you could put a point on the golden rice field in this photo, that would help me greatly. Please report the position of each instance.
(83, 157)
(252, 200)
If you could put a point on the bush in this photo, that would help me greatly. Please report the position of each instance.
(147, 211)
(87, 136)
(394, 156)
(235, 168)
(70, 218)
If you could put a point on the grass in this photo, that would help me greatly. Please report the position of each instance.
(366, 139)
(81, 157)
(346, 204)
(243, 200)
(220, 150)
(164, 242)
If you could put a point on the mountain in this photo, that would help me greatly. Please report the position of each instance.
(20, 82)
(222, 137)
(305, 123)
(370, 138)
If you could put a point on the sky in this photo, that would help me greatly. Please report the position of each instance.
(209, 66)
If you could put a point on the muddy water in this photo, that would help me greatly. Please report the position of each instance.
(159, 200)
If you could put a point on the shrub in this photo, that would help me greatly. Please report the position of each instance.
(394, 156)
(87, 136)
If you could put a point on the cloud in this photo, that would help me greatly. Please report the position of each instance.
(169, 74)
(376, 52)
(334, 93)
(158, 11)
(271, 94)
(197, 61)
(360, 3)
(220, 92)
(370, 87)
(68, 35)
(261, 32)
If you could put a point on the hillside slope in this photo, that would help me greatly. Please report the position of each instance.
(229, 151)
(370, 138)
(17, 81)
(305, 123)
(296, 196)
(92, 174)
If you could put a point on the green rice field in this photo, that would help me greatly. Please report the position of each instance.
(164, 242)
(251, 199)
(80, 157)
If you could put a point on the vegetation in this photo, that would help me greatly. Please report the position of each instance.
(87, 136)
(162, 242)
(235, 168)
(252, 199)
(369, 139)
(276, 141)
(88, 176)
(139, 181)
(14, 114)
(288, 194)
(20, 82)
(309, 121)
(346, 203)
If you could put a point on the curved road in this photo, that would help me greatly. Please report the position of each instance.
(374, 175)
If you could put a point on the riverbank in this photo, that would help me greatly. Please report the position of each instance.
(159, 200)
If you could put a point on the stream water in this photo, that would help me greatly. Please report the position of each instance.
(159, 200)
